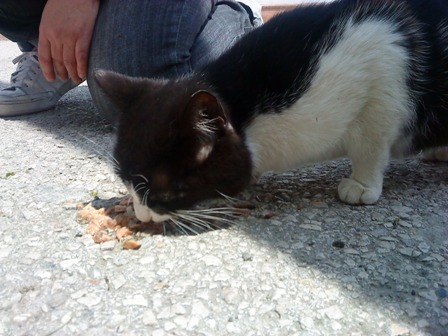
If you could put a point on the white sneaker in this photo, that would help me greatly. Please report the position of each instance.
(30, 92)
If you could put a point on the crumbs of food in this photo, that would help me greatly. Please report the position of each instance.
(115, 222)
(131, 245)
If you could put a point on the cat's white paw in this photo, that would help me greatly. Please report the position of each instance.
(353, 192)
(437, 154)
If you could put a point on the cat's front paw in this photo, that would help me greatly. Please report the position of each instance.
(353, 192)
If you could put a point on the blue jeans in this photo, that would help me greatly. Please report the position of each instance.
(142, 37)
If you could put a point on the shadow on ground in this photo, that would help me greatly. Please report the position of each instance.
(379, 255)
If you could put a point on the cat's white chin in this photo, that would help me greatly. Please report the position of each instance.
(145, 214)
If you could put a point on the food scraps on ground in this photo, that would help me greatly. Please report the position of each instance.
(117, 221)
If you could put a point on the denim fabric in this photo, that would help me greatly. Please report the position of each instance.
(19, 20)
(143, 37)
(165, 39)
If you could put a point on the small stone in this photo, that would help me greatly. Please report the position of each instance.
(181, 321)
(423, 323)
(90, 300)
(441, 293)
(222, 276)
(333, 312)
(247, 256)
(57, 299)
(149, 318)
(438, 257)
(192, 323)
(158, 332)
(199, 310)
(118, 281)
(66, 318)
(423, 247)
(430, 295)
(398, 330)
(404, 224)
(307, 322)
(407, 251)
(147, 260)
(5, 251)
(311, 227)
(401, 209)
(137, 300)
(179, 309)
(21, 318)
(79, 294)
(212, 261)
(108, 245)
(336, 325)
(379, 217)
(230, 295)
(69, 263)
(232, 328)
(351, 251)
(443, 321)
(166, 313)
(445, 303)
(169, 326)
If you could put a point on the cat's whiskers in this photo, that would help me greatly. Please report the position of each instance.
(145, 197)
(139, 187)
(105, 153)
(183, 227)
(141, 176)
(202, 219)
(228, 198)
(211, 218)
(191, 220)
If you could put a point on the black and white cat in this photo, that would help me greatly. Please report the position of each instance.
(366, 79)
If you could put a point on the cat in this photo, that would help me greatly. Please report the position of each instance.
(366, 79)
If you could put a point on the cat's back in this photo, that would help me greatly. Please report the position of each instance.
(271, 68)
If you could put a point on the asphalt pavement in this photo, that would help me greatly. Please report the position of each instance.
(299, 263)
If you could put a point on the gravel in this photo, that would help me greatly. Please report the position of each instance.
(301, 262)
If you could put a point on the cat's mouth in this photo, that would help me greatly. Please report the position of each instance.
(146, 214)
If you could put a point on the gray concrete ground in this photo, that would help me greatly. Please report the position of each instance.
(302, 263)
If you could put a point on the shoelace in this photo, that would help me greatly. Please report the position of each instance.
(27, 68)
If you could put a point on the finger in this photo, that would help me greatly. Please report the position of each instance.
(82, 57)
(45, 60)
(58, 62)
(68, 55)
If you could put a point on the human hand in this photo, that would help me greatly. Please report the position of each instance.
(65, 33)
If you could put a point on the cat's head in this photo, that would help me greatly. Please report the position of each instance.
(175, 144)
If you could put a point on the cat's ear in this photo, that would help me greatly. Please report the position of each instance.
(122, 90)
(206, 111)
(209, 120)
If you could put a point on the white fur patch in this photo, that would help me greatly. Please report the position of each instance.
(357, 76)
(203, 153)
(143, 213)
(356, 105)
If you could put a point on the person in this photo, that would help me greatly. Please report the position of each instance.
(64, 41)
